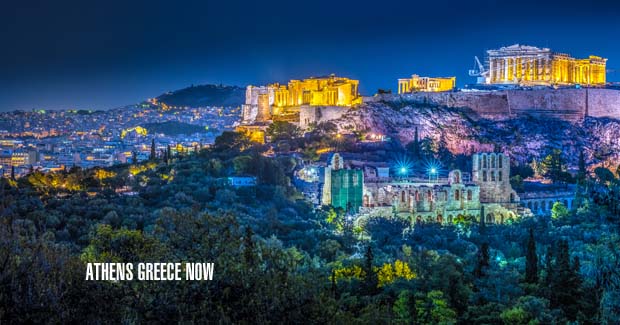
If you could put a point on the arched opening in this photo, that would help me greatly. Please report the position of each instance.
(492, 161)
(417, 196)
(500, 176)
(418, 219)
(439, 218)
(536, 206)
(484, 161)
(484, 176)
(429, 195)
(469, 195)
(565, 203)
(402, 196)
(501, 218)
(457, 195)
(493, 176)
(490, 218)
(450, 219)
(365, 201)
(500, 157)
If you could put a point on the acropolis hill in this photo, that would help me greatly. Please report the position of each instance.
(567, 104)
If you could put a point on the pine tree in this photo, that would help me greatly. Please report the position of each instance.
(405, 308)
(531, 263)
(12, 172)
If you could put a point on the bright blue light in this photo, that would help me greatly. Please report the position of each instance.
(403, 170)
(433, 170)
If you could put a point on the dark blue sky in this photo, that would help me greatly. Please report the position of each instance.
(104, 54)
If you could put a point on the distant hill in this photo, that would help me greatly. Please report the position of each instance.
(204, 95)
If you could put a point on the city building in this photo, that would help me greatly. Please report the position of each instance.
(530, 65)
(425, 84)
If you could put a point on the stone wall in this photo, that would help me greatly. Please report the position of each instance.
(604, 103)
(568, 104)
(316, 114)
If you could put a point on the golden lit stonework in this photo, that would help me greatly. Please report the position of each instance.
(425, 84)
(275, 101)
(529, 65)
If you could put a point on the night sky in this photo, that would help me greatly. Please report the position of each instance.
(105, 54)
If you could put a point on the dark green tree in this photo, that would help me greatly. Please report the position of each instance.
(282, 130)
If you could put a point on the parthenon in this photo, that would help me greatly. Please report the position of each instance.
(522, 64)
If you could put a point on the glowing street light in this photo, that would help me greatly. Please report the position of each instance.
(403, 166)
(432, 172)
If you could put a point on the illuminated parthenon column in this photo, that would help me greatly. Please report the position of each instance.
(533, 65)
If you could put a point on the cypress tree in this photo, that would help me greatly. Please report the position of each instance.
(248, 248)
(483, 260)
(370, 277)
(416, 145)
(152, 157)
(334, 288)
(482, 222)
(565, 287)
(531, 263)
(581, 174)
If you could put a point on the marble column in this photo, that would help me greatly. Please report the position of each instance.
(514, 69)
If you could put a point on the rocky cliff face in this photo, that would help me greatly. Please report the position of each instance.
(524, 138)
